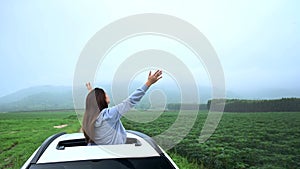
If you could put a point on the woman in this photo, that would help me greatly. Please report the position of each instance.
(102, 125)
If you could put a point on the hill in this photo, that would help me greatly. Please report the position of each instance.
(60, 97)
(38, 98)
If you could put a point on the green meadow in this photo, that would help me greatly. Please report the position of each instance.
(242, 140)
(21, 133)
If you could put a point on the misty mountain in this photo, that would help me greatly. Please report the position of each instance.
(38, 98)
(60, 97)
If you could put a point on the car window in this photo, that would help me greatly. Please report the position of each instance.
(129, 163)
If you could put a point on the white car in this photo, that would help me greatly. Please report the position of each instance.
(71, 151)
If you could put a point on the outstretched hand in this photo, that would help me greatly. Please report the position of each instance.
(153, 78)
(89, 86)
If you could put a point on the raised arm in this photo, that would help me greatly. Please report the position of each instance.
(153, 78)
(89, 86)
(136, 96)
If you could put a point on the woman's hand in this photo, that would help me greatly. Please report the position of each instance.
(89, 86)
(153, 78)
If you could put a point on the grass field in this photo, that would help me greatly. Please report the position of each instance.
(21, 133)
(242, 140)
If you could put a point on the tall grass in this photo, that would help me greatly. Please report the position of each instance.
(22, 133)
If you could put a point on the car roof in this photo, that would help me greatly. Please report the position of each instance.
(74, 153)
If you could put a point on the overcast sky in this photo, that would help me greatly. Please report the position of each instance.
(257, 42)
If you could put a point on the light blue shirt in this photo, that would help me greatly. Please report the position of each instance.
(108, 126)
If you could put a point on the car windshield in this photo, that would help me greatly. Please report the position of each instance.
(128, 163)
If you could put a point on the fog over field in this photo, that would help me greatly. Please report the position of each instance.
(257, 44)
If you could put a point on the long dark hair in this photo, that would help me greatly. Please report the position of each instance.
(95, 103)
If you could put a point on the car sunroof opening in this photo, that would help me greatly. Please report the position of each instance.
(82, 142)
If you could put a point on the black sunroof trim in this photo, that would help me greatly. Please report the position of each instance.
(148, 139)
(44, 146)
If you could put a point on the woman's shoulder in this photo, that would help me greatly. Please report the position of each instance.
(107, 113)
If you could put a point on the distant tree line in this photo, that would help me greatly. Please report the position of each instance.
(186, 106)
(278, 105)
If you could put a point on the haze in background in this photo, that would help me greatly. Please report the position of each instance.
(257, 42)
